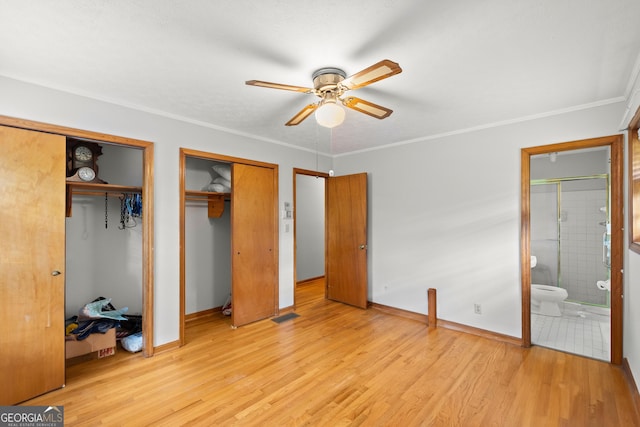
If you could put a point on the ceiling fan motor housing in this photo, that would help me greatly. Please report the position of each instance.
(327, 79)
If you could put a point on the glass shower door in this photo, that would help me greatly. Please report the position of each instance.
(583, 226)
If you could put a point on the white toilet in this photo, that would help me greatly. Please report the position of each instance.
(545, 299)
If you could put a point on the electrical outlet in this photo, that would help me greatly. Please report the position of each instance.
(477, 308)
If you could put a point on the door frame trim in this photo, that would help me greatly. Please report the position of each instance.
(187, 152)
(147, 207)
(616, 145)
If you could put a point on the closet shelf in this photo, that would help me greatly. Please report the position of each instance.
(215, 201)
(204, 194)
(96, 189)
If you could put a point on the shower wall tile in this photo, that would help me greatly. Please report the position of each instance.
(581, 245)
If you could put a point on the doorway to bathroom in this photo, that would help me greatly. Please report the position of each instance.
(571, 242)
(570, 253)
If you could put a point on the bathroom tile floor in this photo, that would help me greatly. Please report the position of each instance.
(580, 330)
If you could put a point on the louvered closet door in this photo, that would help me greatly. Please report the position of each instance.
(32, 262)
(253, 243)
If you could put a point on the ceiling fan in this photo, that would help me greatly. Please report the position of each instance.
(331, 84)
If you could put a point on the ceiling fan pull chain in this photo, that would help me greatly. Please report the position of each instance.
(317, 138)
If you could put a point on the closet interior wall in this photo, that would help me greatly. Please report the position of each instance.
(103, 258)
(207, 243)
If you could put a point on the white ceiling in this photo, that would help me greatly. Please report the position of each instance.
(466, 63)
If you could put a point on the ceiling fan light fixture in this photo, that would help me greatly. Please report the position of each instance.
(330, 115)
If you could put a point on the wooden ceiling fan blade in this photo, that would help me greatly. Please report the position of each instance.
(278, 86)
(366, 107)
(302, 114)
(372, 74)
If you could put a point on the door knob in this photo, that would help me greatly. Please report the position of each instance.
(363, 246)
(55, 273)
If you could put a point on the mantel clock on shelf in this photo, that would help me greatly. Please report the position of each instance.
(82, 158)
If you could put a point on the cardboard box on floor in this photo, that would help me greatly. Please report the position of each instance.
(100, 344)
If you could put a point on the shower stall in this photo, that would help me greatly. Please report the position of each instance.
(570, 236)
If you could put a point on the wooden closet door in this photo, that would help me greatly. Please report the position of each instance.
(32, 263)
(253, 244)
(346, 242)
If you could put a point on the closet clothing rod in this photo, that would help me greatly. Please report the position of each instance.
(101, 190)
(215, 202)
(201, 199)
(98, 193)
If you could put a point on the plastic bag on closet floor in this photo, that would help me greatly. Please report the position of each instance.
(132, 343)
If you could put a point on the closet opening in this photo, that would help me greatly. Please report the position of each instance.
(228, 239)
(104, 234)
(207, 238)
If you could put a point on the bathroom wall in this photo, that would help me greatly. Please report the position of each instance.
(571, 164)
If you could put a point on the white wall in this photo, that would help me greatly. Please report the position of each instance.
(309, 227)
(631, 301)
(444, 214)
(631, 350)
(33, 102)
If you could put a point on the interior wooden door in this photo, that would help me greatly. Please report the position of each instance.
(346, 242)
(32, 262)
(253, 244)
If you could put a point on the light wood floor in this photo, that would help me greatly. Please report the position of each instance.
(336, 365)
